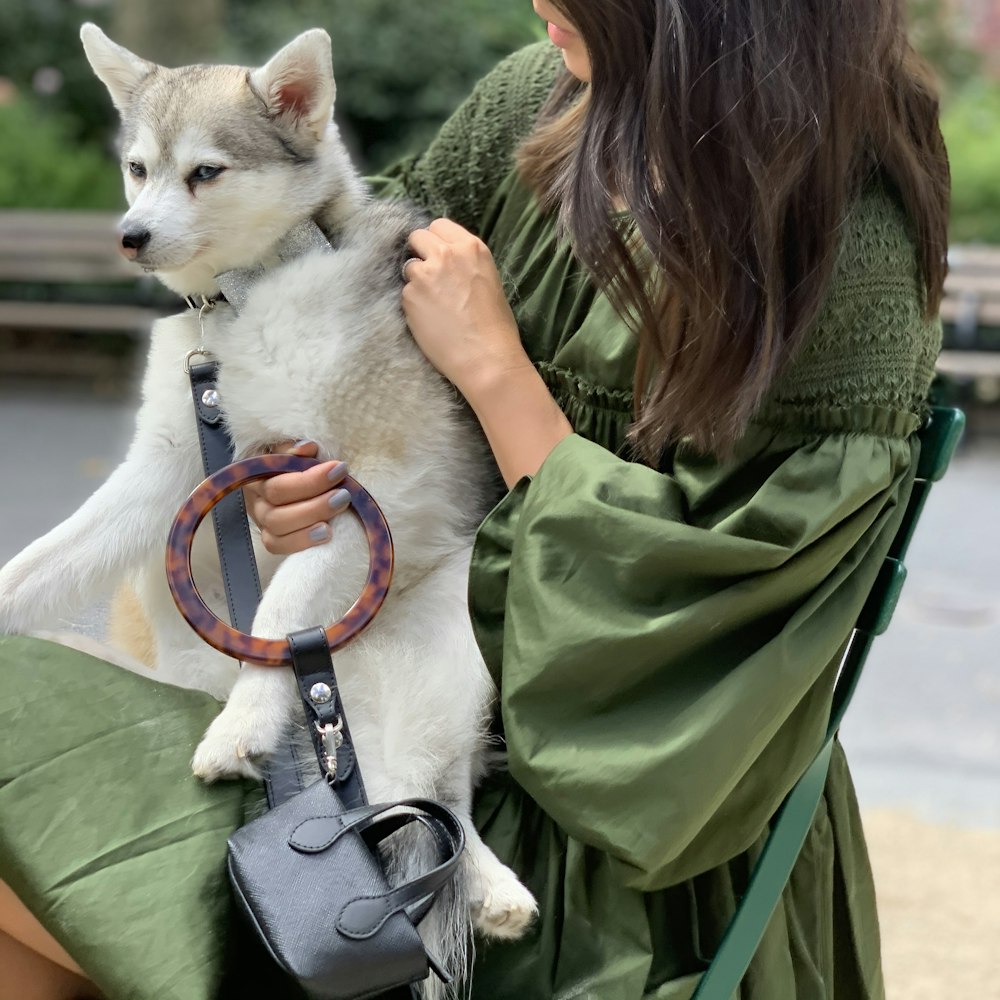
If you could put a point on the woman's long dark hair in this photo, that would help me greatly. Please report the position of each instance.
(737, 132)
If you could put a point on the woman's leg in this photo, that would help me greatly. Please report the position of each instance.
(35, 966)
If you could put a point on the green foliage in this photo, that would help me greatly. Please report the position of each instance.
(971, 127)
(35, 34)
(43, 166)
(401, 68)
(935, 34)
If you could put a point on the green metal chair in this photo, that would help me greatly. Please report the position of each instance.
(938, 440)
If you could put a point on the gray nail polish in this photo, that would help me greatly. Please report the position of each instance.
(340, 500)
(302, 443)
(321, 533)
(338, 471)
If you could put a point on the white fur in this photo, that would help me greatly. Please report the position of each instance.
(118, 69)
(316, 353)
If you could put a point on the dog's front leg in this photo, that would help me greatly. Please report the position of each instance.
(80, 559)
(264, 703)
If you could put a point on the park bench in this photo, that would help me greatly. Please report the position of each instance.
(971, 314)
(61, 271)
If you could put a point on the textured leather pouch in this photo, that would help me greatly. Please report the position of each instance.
(307, 877)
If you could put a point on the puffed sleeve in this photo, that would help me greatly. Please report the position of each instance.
(666, 642)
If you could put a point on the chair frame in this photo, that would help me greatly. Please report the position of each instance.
(939, 439)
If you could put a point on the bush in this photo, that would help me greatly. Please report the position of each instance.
(971, 126)
(401, 68)
(43, 165)
(35, 34)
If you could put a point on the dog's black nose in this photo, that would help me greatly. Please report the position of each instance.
(133, 240)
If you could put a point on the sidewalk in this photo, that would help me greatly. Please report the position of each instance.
(939, 907)
(922, 736)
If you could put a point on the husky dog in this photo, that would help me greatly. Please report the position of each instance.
(220, 163)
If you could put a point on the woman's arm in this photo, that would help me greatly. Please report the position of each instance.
(456, 310)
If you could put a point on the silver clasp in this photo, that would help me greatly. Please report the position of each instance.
(207, 305)
(332, 735)
(198, 352)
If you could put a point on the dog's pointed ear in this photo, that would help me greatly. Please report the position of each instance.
(118, 69)
(297, 84)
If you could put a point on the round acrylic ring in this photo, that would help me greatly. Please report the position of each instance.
(223, 637)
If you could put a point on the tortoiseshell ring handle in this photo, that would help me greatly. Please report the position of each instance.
(223, 637)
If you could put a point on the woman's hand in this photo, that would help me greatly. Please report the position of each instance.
(294, 510)
(456, 309)
(458, 314)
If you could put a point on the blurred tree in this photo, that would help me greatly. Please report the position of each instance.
(971, 126)
(936, 34)
(401, 68)
(42, 167)
(39, 35)
(174, 33)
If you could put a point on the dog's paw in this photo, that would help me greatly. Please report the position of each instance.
(231, 748)
(501, 906)
(12, 621)
(24, 596)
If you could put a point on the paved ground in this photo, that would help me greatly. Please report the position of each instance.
(923, 734)
(939, 907)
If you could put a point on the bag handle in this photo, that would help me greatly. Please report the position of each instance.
(320, 833)
(365, 916)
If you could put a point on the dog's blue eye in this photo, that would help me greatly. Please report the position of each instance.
(136, 169)
(204, 173)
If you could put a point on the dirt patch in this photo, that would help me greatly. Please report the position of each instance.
(939, 906)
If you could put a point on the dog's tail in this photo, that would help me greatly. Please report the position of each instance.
(447, 929)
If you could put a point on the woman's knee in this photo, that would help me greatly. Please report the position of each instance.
(20, 924)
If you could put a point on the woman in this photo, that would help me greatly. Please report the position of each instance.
(704, 412)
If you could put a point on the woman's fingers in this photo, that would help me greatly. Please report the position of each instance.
(456, 307)
(293, 510)
(450, 232)
(296, 541)
(423, 243)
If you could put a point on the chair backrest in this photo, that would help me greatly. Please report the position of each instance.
(938, 440)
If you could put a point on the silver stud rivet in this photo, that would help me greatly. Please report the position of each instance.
(211, 398)
(320, 693)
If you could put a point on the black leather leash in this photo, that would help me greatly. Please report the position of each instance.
(317, 681)
(229, 516)
(317, 685)
(285, 776)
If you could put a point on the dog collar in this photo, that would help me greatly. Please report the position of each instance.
(199, 302)
(235, 286)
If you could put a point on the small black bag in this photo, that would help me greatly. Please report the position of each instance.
(307, 877)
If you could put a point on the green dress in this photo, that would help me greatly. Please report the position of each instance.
(664, 641)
